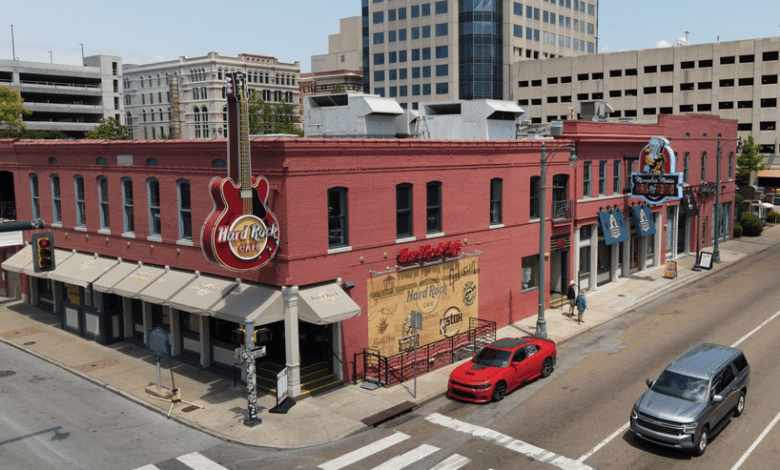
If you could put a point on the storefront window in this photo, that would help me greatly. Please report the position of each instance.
(189, 322)
(530, 272)
(584, 260)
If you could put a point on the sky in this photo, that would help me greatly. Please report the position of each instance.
(145, 31)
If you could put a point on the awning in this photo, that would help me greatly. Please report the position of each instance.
(142, 277)
(107, 281)
(263, 304)
(201, 293)
(644, 222)
(60, 256)
(166, 286)
(326, 304)
(82, 269)
(19, 260)
(614, 226)
(768, 174)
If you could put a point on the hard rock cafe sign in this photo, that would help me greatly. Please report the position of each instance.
(241, 233)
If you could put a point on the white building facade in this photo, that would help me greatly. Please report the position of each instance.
(185, 98)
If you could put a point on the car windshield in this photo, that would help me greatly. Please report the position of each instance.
(492, 357)
(681, 386)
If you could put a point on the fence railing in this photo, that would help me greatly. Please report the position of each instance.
(389, 370)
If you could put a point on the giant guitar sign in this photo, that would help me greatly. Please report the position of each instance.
(241, 233)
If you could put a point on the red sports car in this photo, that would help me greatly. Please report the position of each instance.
(502, 366)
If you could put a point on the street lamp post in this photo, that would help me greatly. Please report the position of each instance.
(541, 323)
(716, 250)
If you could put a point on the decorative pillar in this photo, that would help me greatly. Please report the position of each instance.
(291, 340)
(205, 340)
(594, 257)
(127, 316)
(175, 338)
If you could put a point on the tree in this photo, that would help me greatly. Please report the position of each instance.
(12, 108)
(336, 89)
(109, 129)
(272, 118)
(750, 160)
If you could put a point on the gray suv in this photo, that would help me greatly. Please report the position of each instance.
(693, 398)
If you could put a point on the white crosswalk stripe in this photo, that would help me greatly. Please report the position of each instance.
(147, 467)
(199, 462)
(365, 451)
(402, 461)
(454, 462)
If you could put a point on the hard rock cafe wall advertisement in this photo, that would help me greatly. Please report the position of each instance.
(445, 294)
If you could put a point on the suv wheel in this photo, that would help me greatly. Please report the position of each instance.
(701, 443)
(740, 408)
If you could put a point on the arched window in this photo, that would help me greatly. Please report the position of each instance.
(196, 114)
(159, 80)
(100, 161)
(151, 162)
(224, 129)
(56, 200)
(204, 118)
(433, 206)
(219, 74)
(219, 163)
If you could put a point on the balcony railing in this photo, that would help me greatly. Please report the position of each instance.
(563, 210)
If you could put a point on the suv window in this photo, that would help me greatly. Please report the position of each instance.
(722, 381)
(740, 363)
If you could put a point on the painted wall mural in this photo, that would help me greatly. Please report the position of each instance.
(445, 294)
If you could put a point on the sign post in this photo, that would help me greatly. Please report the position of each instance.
(250, 354)
(417, 326)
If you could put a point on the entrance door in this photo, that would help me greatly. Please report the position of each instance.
(682, 234)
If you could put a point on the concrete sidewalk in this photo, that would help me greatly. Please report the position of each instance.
(127, 369)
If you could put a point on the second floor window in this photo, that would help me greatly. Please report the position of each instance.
(81, 216)
(337, 218)
(703, 167)
(586, 175)
(56, 201)
(433, 190)
(616, 177)
(153, 187)
(127, 205)
(403, 210)
(36, 203)
(185, 211)
(535, 189)
(103, 199)
(495, 201)
(602, 178)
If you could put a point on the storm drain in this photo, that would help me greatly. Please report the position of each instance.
(6, 373)
(187, 409)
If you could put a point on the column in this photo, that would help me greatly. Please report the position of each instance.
(291, 347)
(175, 338)
(205, 340)
(127, 316)
(594, 256)
(613, 269)
(660, 239)
(575, 246)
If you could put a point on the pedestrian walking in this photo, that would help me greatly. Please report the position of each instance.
(581, 305)
(571, 294)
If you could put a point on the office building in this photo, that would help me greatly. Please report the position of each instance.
(422, 50)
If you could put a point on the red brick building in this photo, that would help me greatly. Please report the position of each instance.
(347, 210)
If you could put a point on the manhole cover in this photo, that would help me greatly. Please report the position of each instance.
(6, 373)
(187, 409)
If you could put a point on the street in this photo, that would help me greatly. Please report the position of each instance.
(575, 419)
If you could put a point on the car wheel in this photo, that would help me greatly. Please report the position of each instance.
(499, 391)
(701, 443)
(547, 367)
(740, 408)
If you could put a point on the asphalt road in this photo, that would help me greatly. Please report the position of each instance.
(577, 418)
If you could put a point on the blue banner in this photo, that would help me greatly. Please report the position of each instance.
(644, 222)
(614, 226)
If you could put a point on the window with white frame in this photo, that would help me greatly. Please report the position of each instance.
(403, 210)
(586, 179)
(616, 177)
(495, 201)
(530, 270)
(603, 178)
(185, 210)
(153, 192)
(337, 218)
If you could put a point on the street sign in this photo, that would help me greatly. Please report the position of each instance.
(158, 343)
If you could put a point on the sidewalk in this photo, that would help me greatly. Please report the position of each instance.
(128, 370)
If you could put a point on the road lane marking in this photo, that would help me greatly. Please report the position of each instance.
(756, 329)
(365, 451)
(199, 462)
(454, 462)
(147, 467)
(604, 442)
(508, 442)
(755, 444)
(402, 461)
(625, 426)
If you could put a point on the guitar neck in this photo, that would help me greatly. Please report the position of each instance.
(244, 157)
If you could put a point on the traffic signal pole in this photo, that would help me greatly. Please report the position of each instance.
(24, 225)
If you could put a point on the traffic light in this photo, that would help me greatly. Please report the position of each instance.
(262, 336)
(43, 252)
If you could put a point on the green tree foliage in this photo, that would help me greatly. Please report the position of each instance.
(773, 217)
(751, 224)
(272, 118)
(750, 160)
(109, 129)
(12, 109)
